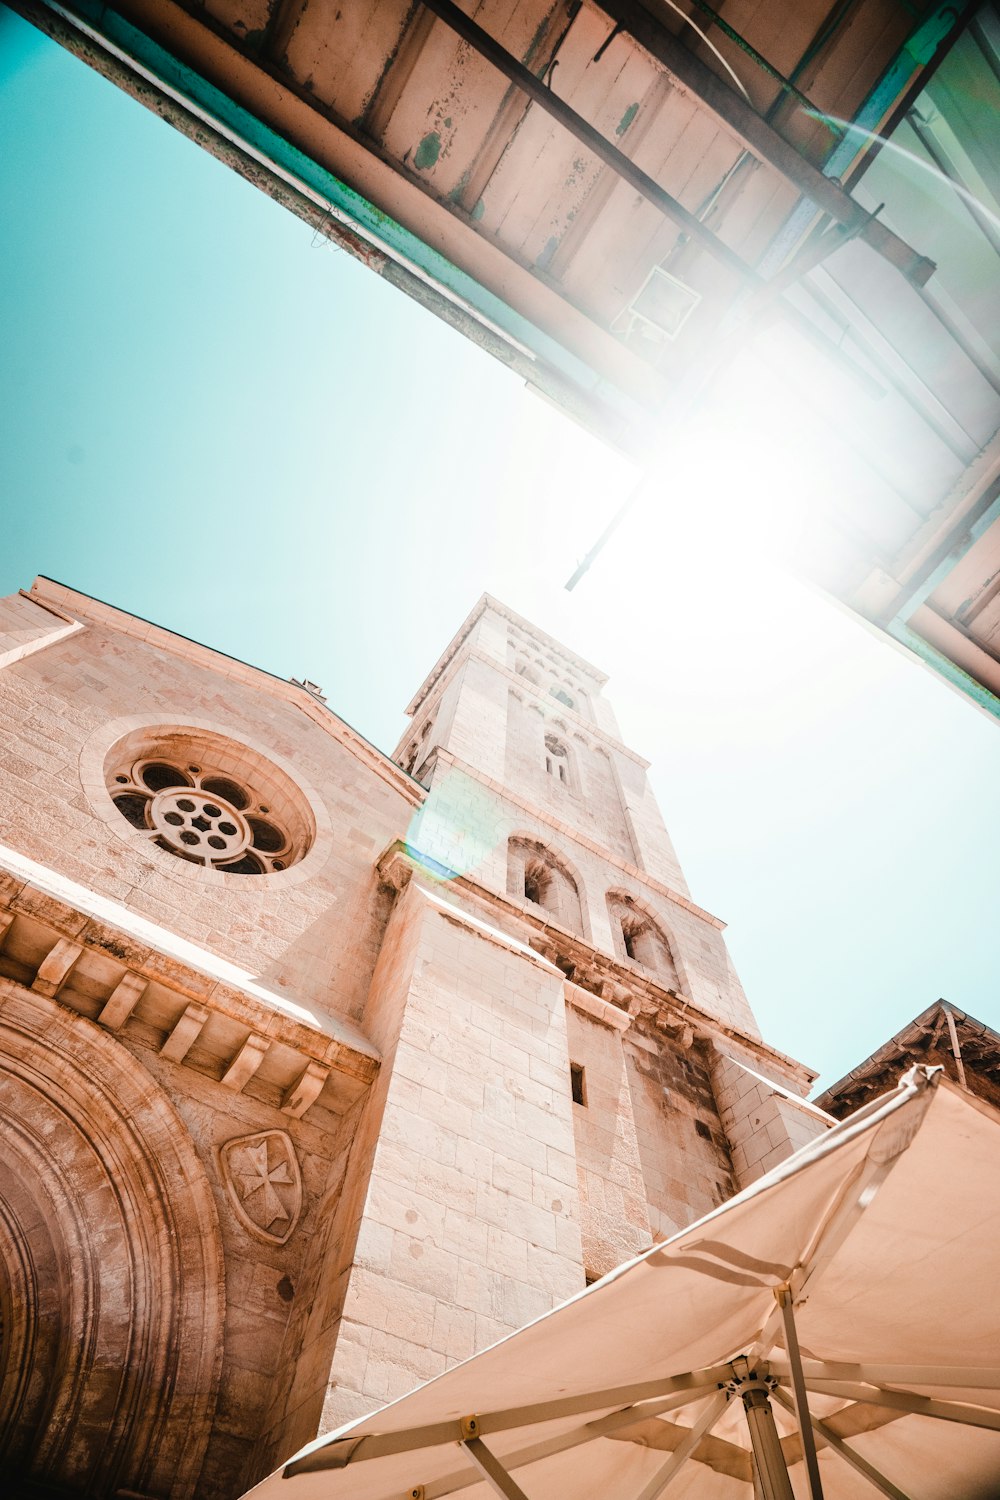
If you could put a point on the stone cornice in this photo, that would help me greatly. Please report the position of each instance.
(49, 925)
(71, 605)
(614, 985)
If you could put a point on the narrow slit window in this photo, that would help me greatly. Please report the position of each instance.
(578, 1083)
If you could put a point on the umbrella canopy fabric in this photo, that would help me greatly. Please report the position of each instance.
(857, 1283)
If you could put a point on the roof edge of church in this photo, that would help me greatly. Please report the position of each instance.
(99, 611)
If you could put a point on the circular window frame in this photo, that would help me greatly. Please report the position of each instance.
(233, 754)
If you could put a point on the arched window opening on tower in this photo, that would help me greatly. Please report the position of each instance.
(535, 874)
(561, 695)
(536, 881)
(556, 759)
(638, 937)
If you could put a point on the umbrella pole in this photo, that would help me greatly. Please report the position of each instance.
(770, 1469)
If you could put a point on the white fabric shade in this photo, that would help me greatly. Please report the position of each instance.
(886, 1232)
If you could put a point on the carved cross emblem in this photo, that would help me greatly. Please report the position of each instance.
(262, 1177)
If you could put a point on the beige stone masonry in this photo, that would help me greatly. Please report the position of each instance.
(614, 1214)
(185, 1032)
(764, 1120)
(136, 980)
(587, 727)
(598, 1009)
(246, 1062)
(122, 1001)
(488, 604)
(567, 830)
(622, 985)
(55, 969)
(27, 625)
(469, 1225)
(56, 597)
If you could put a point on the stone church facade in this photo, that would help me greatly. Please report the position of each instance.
(321, 1069)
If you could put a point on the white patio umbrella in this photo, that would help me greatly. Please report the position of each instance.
(833, 1330)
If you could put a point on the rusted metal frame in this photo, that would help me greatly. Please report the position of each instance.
(514, 105)
(853, 174)
(397, 72)
(760, 137)
(512, 68)
(786, 85)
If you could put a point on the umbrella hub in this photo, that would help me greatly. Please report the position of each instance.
(753, 1384)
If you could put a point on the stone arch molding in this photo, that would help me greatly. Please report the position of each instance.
(111, 1268)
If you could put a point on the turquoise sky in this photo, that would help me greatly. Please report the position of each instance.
(216, 423)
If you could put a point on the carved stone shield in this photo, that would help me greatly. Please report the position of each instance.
(262, 1177)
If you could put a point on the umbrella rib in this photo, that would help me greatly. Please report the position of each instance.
(660, 1480)
(493, 1470)
(965, 1377)
(603, 1427)
(361, 1447)
(908, 1401)
(861, 1465)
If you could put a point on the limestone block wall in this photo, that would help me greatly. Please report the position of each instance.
(589, 800)
(614, 1215)
(683, 1149)
(654, 851)
(463, 1176)
(312, 930)
(26, 627)
(764, 1117)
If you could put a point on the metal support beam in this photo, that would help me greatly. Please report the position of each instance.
(511, 67)
(803, 1415)
(859, 1464)
(961, 1377)
(761, 138)
(921, 1406)
(656, 1486)
(362, 1446)
(492, 1470)
(609, 1426)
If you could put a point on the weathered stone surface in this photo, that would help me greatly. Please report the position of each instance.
(279, 1146)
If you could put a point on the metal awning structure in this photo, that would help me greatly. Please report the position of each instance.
(832, 1331)
(620, 198)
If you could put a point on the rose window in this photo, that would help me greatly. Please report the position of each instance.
(204, 814)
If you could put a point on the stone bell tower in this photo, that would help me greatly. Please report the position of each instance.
(570, 1067)
(558, 811)
(322, 1069)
